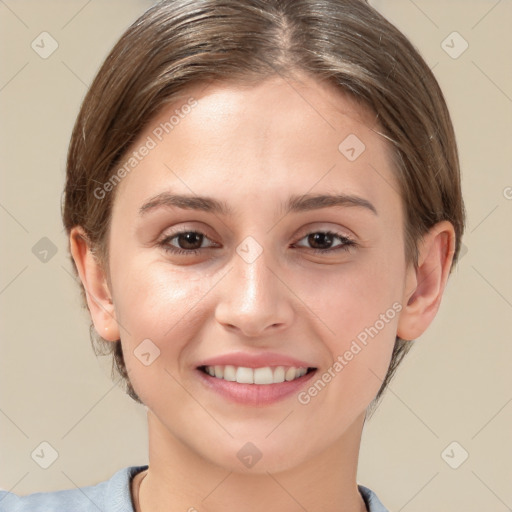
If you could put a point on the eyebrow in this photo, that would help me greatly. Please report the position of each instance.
(296, 203)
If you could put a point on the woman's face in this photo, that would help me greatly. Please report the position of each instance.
(259, 231)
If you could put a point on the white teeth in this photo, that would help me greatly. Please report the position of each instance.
(264, 375)
(244, 375)
(279, 374)
(290, 374)
(229, 373)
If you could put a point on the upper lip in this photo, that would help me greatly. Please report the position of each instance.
(254, 360)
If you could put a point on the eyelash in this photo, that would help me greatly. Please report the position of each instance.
(346, 246)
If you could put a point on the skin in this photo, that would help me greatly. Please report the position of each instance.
(253, 147)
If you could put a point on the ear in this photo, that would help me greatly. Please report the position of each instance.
(94, 279)
(425, 284)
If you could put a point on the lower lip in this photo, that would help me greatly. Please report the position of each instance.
(254, 394)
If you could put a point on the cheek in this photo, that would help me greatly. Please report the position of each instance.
(359, 353)
(352, 298)
(151, 296)
(158, 305)
(357, 311)
(156, 310)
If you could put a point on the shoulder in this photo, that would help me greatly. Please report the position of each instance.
(112, 495)
(373, 504)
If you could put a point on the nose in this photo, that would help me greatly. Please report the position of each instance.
(254, 300)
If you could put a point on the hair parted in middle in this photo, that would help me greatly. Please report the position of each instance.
(347, 43)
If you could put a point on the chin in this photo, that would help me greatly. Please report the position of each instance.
(258, 458)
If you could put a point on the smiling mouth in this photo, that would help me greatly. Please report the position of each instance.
(263, 375)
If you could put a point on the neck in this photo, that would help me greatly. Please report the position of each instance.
(178, 478)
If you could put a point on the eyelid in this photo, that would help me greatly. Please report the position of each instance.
(308, 230)
(319, 227)
(174, 234)
(347, 242)
(328, 232)
(185, 227)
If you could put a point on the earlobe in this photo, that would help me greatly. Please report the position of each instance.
(94, 280)
(425, 284)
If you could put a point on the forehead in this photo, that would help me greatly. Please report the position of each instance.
(231, 140)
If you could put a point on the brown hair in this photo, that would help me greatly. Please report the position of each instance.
(178, 43)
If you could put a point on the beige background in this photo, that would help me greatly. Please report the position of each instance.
(455, 385)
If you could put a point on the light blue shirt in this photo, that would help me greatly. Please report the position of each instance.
(112, 495)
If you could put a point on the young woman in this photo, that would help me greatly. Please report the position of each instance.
(263, 204)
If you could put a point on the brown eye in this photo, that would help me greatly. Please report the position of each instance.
(185, 242)
(189, 240)
(322, 242)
